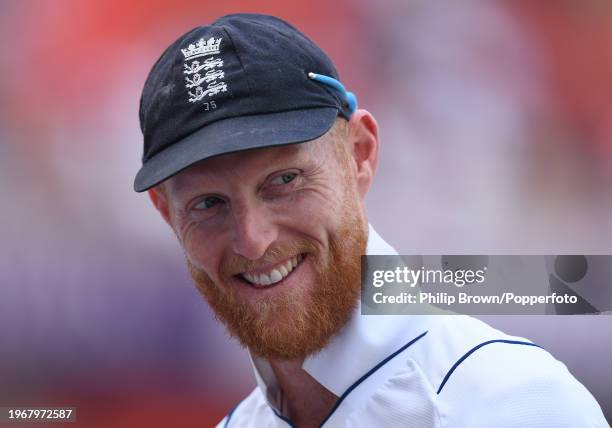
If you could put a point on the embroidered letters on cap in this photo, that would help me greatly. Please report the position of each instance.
(207, 73)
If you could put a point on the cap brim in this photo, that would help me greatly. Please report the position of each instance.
(234, 135)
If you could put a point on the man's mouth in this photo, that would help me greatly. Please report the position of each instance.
(273, 275)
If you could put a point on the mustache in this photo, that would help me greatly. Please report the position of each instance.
(277, 252)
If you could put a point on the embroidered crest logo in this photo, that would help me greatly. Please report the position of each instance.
(204, 78)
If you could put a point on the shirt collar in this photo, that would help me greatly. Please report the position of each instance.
(360, 345)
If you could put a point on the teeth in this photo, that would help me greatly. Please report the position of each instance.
(276, 274)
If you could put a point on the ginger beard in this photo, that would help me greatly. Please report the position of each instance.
(296, 321)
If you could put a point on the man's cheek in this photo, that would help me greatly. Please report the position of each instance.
(196, 248)
(314, 208)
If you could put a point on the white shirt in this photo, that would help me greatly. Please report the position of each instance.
(429, 371)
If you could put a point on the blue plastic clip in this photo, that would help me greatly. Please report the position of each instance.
(349, 97)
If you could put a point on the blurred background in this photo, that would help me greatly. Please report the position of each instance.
(496, 126)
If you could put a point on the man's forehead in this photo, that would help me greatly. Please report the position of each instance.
(253, 159)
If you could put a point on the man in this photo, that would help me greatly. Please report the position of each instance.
(260, 161)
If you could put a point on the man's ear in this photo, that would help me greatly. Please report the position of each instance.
(159, 199)
(363, 137)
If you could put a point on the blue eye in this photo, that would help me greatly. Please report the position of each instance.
(207, 203)
(284, 178)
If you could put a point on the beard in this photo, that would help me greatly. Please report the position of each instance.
(295, 321)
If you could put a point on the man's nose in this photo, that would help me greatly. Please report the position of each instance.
(254, 231)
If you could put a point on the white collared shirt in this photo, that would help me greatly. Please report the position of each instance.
(428, 371)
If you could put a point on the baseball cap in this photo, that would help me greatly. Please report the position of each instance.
(245, 81)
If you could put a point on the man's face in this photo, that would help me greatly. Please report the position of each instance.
(273, 239)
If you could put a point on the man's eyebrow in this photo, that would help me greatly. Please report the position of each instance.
(197, 182)
(185, 186)
(294, 149)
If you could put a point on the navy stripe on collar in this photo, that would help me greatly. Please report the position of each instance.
(357, 382)
(474, 349)
(229, 415)
(289, 421)
(368, 374)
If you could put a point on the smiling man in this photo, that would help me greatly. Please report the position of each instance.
(273, 236)
(260, 161)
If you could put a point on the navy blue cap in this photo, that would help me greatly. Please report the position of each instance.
(240, 83)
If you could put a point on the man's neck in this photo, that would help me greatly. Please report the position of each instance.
(305, 401)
